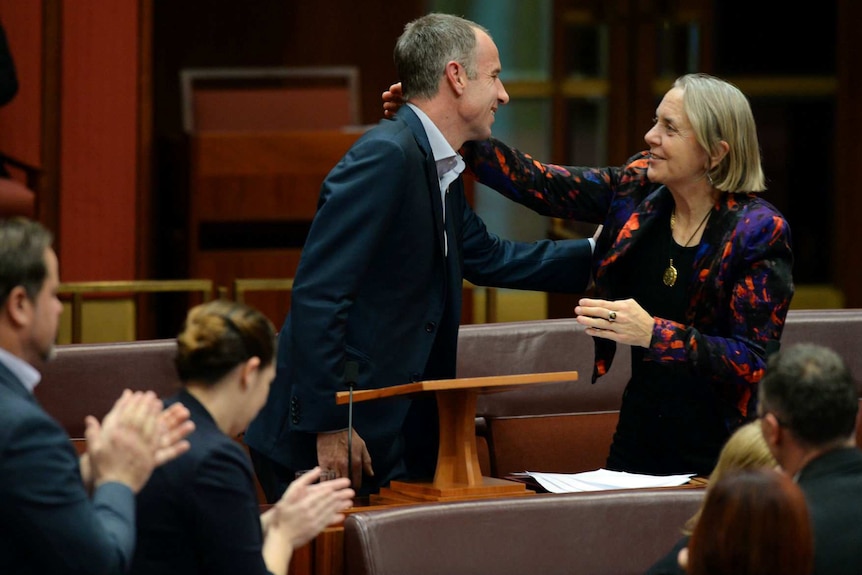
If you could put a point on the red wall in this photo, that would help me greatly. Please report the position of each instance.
(99, 126)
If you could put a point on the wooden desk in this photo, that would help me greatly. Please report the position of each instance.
(458, 475)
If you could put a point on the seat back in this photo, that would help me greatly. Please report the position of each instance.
(86, 379)
(566, 426)
(612, 533)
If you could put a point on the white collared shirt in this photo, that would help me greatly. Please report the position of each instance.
(28, 375)
(449, 163)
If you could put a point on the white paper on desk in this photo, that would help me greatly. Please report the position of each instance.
(602, 479)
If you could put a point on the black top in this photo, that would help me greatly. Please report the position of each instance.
(669, 564)
(671, 421)
(832, 484)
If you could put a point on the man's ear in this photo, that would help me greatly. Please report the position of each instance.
(771, 429)
(19, 306)
(456, 77)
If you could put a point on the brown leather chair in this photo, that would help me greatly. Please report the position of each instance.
(601, 533)
(86, 379)
(564, 427)
(568, 427)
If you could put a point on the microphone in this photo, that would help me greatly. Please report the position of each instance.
(351, 374)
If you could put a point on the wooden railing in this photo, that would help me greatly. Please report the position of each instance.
(77, 292)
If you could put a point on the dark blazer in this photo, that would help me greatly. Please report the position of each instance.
(48, 524)
(741, 284)
(669, 563)
(374, 287)
(832, 484)
(199, 512)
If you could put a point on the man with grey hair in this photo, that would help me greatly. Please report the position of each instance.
(808, 408)
(60, 515)
(377, 296)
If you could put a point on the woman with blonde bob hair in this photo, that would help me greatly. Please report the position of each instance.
(200, 513)
(718, 113)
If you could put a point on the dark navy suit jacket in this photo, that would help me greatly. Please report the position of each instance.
(199, 512)
(832, 484)
(374, 287)
(48, 523)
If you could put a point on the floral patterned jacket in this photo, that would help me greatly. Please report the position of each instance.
(742, 285)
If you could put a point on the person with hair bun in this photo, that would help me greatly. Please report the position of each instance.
(200, 514)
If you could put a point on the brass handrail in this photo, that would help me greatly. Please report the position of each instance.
(490, 301)
(78, 290)
(242, 285)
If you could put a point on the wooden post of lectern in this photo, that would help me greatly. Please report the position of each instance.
(458, 475)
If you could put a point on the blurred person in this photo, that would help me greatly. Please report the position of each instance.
(8, 75)
(754, 522)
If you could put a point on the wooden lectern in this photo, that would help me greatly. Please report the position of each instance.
(458, 475)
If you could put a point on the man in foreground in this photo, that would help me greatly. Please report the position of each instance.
(59, 515)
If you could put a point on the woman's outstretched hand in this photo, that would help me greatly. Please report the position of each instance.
(392, 100)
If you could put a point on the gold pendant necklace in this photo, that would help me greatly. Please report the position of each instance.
(670, 273)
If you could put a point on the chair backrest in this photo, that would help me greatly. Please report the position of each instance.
(269, 99)
(564, 427)
(838, 329)
(569, 426)
(539, 346)
(612, 533)
(86, 379)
